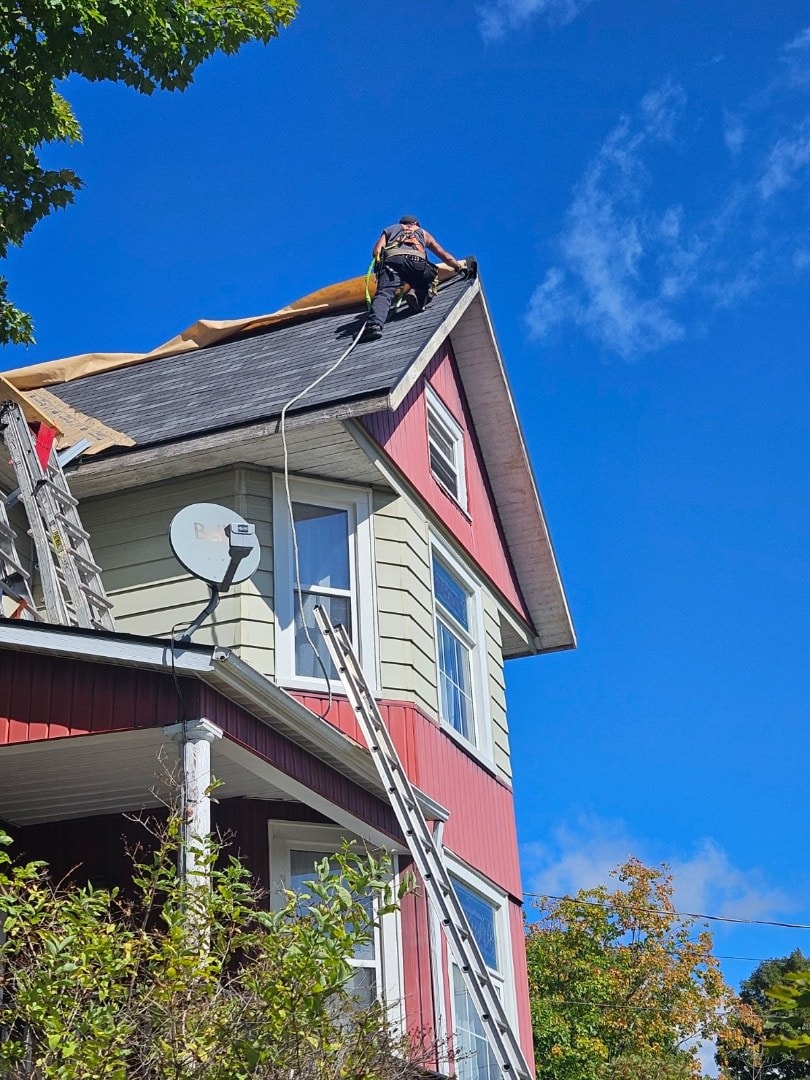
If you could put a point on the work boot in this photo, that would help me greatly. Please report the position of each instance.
(372, 332)
(412, 303)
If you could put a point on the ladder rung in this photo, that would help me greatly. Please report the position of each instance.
(86, 564)
(97, 598)
(75, 530)
(59, 491)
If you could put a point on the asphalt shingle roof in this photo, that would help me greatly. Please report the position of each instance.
(251, 378)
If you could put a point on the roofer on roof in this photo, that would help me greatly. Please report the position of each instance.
(400, 258)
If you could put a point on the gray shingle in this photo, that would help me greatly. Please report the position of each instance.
(251, 378)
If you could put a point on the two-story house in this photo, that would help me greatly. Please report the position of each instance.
(399, 495)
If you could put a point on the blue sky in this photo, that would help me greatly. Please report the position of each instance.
(634, 179)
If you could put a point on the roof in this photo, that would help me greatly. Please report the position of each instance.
(218, 378)
(252, 377)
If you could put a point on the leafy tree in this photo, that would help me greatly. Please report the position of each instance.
(192, 981)
(146, 44)
(774, 998)
(621, 987)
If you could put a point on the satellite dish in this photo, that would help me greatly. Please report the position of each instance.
(214, 543)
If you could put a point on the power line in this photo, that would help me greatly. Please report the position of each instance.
(679, 914)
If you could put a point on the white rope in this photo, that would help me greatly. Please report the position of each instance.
(296, 562)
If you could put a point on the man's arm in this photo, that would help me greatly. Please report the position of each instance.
(440, 253)
(377, 249)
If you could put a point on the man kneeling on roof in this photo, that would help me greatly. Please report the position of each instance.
(400, 258)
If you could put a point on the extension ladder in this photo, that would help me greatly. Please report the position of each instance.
(15, 581)
(427, 855)
(71, 581)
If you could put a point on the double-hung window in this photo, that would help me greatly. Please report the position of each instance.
(323, 556)
(459, 632)
(295, 848)
(445, 448)
(487, 917)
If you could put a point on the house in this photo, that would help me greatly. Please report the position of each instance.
(403, 478)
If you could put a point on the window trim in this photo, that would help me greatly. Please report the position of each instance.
(481, 745)
(436, 409)
(358, 503)
(286, 836)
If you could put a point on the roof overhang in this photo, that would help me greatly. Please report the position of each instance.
(229, 676)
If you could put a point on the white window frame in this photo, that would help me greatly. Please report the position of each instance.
(287, 836)
(502, 977)
(358, 505)
(474, 639)
(438, 414)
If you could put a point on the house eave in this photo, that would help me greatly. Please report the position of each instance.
(228, 675)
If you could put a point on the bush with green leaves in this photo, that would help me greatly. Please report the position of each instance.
(193, 978)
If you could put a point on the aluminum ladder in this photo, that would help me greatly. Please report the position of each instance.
(15, 581)
(427, 855)
(71, 580)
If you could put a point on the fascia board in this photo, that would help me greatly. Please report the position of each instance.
(506, 457)
(100, 475)
(151, 654)
(409, 379)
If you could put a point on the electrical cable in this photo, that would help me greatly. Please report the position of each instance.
(296, 560)
(679, 914)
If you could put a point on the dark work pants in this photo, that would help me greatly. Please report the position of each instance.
(398, 270)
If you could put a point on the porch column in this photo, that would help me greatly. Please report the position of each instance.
(195, 738)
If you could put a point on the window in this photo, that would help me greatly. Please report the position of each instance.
(295, 848)
(459, 628)
(445, 448)
(323, 556)
(487, 915)
(364, 983)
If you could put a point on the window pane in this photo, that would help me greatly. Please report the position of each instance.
(451, 594)
(302, 869)
(455, 688)
(338, 608)
(363, 985)
(322, 533)
(481, 917)
(444, 473)
(474, 1059)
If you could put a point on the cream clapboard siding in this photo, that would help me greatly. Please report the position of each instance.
(406, 626)
(152, 592)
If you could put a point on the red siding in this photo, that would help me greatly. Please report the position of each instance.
(481, 828)
(43, 698)
(49, 698)
(403, 436)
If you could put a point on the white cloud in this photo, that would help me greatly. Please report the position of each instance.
(636, 270)
(788, 158)
(733, 134)
(706, 882)
(498, 17)
(610, 236)
(796, 57)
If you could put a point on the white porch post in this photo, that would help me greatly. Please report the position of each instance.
(195, 738)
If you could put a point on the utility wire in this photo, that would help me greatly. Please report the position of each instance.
(679, 914)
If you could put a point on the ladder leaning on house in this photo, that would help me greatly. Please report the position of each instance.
(427, 855)
(71, 581)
